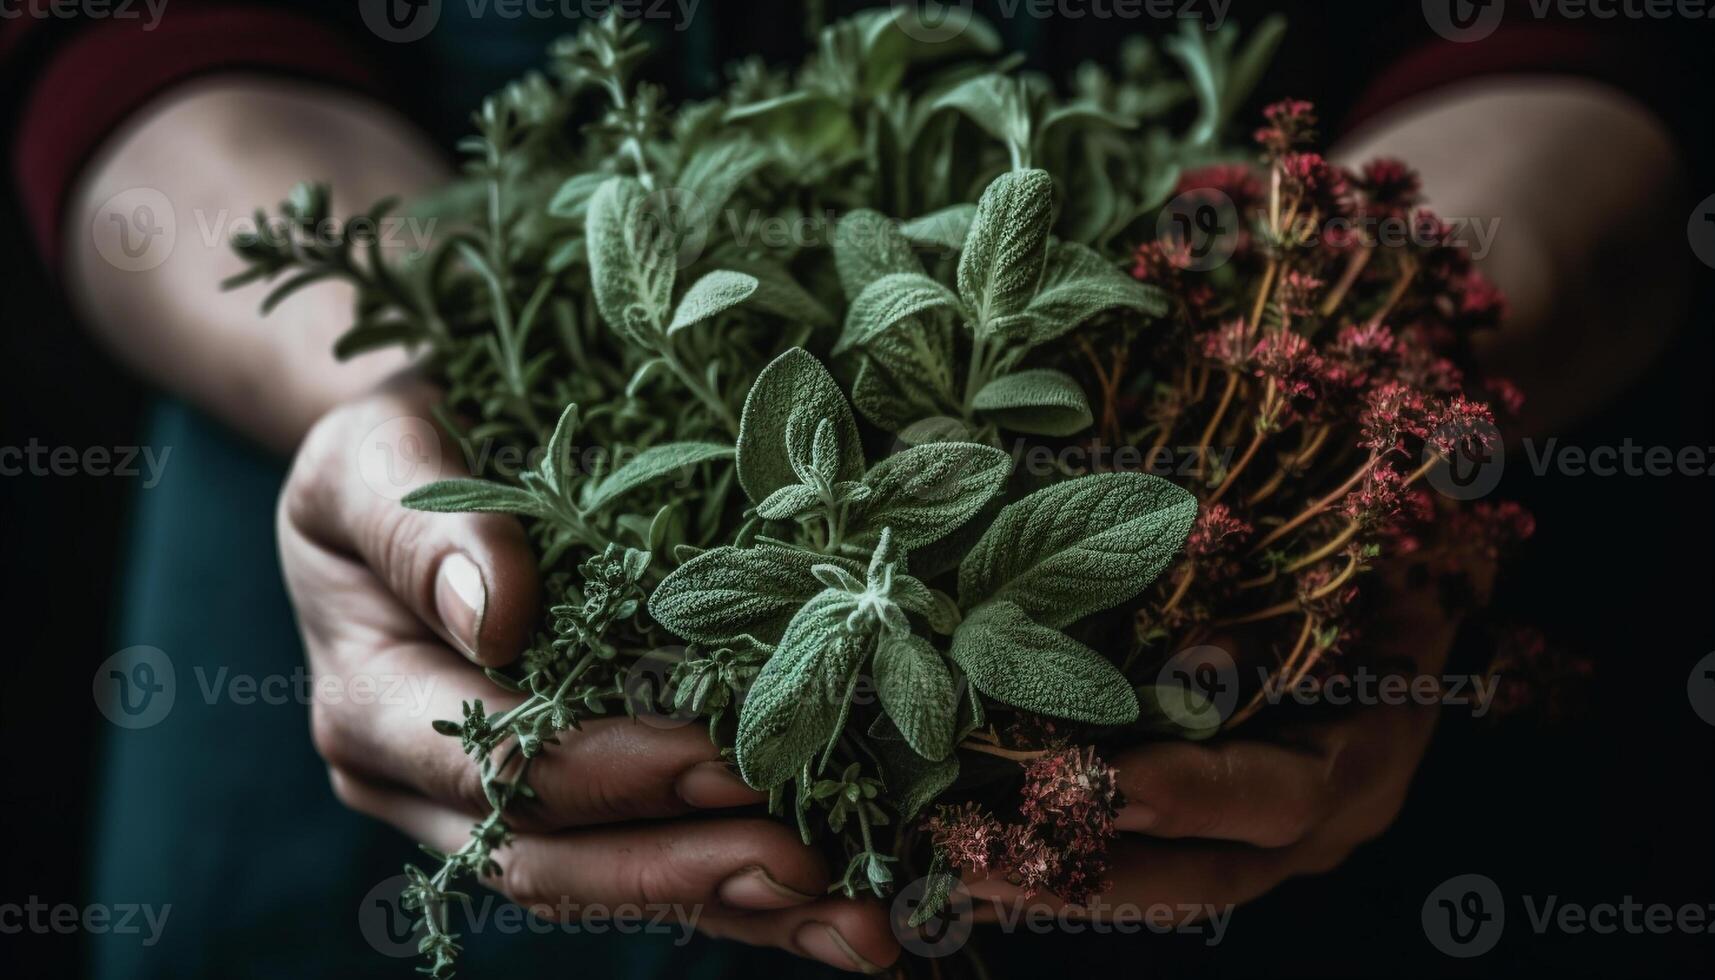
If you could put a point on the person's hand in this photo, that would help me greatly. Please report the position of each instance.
(390, 599)
(1210, 825)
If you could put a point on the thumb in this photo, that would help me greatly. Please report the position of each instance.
(471, 578)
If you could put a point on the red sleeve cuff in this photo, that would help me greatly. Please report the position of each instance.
(107, 72)
(1511, 50)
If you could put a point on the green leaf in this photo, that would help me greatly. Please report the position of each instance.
(633, 260)
(1002, 261)
(889, 300)
(473, 497)
(652, 464)
(573, 198)
(788, 502)
(997, 104)
(795, 704)
(778, 294)
(868, 246)
(1078, 547)
(907, 374)
(926, 492)
(725, 593)
(916, 689)
(1020, 662)
(794, 384)
(947, 228)
(1040, 401)
(1077, 284)
(714, 293)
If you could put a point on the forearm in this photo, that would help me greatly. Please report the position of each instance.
(216, 150)
(1578, 187)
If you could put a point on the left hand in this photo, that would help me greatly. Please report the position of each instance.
(1215, 824)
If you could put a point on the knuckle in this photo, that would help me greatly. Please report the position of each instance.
(327, 734)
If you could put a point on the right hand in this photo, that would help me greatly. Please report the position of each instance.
(386, 593)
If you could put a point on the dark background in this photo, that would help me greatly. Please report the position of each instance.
(1613, 803)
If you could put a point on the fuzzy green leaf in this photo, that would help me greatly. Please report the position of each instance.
(1075, 548)
(633, 260)
(1077, 284)
(778, 294)
(926, 492)
(794, 385)
(1040, 401)
(1017, 661)
(725, 593)
(916, 689)
(652, 464)
(867, 246)
(1002, 261)
(889, 300)
(714, 293)
(473, 497)
(796, 702)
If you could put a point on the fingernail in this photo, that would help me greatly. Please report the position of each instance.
(461, 598)
(713, 784)
(756, 889)
(826, 944)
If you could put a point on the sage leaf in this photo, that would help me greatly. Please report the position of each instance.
(788, 502)
(724, 593)
(867, 246)
(778, 294)
(947, 228)
(913, 782)
(1077, 284)
(916, 689)
(926, 492)
(1002, 261)
(714, 293)
(795, 383)
(795, 704)
(1018, 661)
(652, 464)
(889, 300)
(1078, 547)
(1038, 401)
(633, 260)
(473, 497)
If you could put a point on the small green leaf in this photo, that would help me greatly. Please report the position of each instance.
(652, 464)
(724, 593)
(796, 702)
(947, 228)
(1002, 261)
(1019, 662)
(889, 300)
(794, 384)
(1077, 284)
(473, 497)
(573, 198)
(1078, 547)
(788, 502)
(1039, 401)
(633, 260)
(867, 246)
(916, 689)
(714, 293)
(926, 492)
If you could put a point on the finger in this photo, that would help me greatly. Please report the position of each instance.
(470, 577)
(742, 865)
(1180, 882)
(1252, 792)
(606, 771)
(845, 933)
